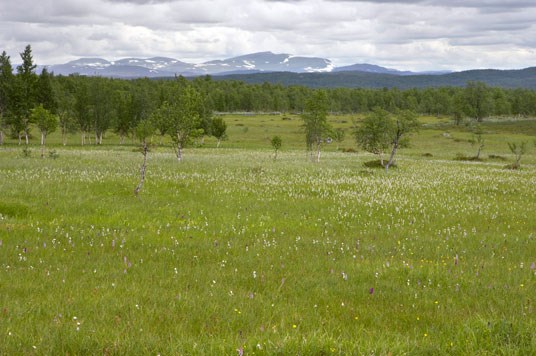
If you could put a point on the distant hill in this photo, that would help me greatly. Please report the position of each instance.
(523, 78)
(261, 62)
(370, 68)
(168, 67)
(288, 69)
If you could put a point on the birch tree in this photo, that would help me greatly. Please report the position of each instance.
(144, 129)
(379, 131)
(316, 123)
(45, 121)
(405, 123)
(374, 133)
(219, 129)
(180, 118)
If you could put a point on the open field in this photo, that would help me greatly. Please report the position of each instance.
(230, 250)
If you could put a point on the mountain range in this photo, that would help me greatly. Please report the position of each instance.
(288, 69)
(261, 62)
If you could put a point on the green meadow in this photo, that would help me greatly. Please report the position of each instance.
(230, 252)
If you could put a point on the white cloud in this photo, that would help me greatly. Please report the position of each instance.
(413, 35)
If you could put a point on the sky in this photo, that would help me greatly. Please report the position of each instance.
(407, 35)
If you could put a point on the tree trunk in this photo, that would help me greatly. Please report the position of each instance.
(43, 138)
(518, 159)
(478, 152)
(318, 152)
(26, 137)
(83, 137)
(20, 139)
(142, 169)
(392, 157)
(179, 152)
(1, 137)
(218, 144)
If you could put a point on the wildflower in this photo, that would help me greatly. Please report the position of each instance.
(371, 290)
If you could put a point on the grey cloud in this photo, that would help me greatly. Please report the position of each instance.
(420, 34)
(453, 3)
(141, 2)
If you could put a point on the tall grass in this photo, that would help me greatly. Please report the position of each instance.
(231, 252)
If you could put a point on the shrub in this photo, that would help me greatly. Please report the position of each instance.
(497, 157)
(26, 152)
(377, 164)
(53, 154)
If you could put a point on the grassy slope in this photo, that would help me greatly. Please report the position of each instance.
(230, 249)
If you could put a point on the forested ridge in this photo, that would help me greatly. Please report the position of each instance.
(520, 78)
(94, 105)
